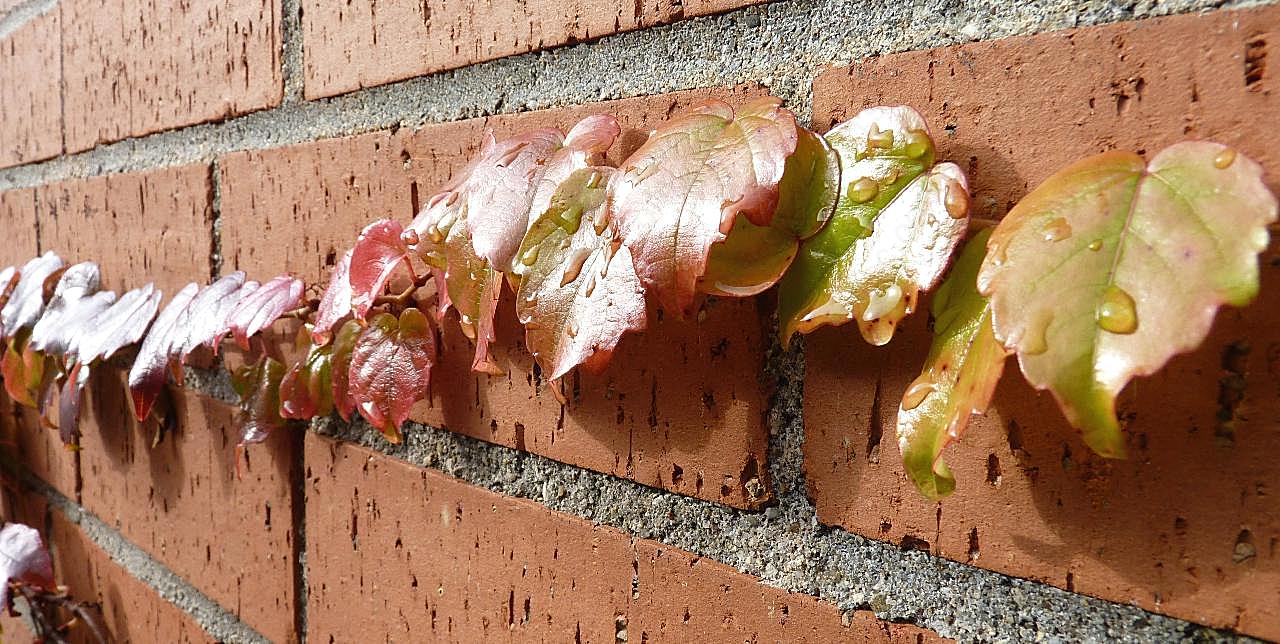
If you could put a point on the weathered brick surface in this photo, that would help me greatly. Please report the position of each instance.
(352, 45)
(18, 217)
(30, 94)
(1188, 525)
(37, 448)
(133, 67)
(437, 558)
(683, 406)
(139, 227)
(182, 502)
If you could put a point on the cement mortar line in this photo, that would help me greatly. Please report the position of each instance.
(217, 621)
(22, 13)
(781, 45)
(291, 55)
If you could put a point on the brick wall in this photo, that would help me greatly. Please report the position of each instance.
(708, 486)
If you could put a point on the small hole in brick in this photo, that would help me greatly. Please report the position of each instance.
(1255, 63)
(993, 469)
(677, 474)
(974, 551)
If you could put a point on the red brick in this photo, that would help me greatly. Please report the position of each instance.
(434, 558)
(682, 408)
(442, 559)
(139, 227)
(685, 598)
(181, 500)
(18, 216)
(352, 45)
(30, 96)
(133, 67)
(1159, 530)
(37, 448)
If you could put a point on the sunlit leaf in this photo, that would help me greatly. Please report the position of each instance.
(258, 385)
(307, 388)
(162, 343)
(257, 310)
(75, 300)
(23, 557)
(335, 304)
(206, 320)
(578, 288)
(9, 279)
(391, 369)
(119, 326)
(1112, 266)
(69, 403)
(23, 369)
(27, 301)
(897, 223)
(344, 343)
(959, 377)
(752, 258)
(381, 249)
(684, 188)
(584, 146)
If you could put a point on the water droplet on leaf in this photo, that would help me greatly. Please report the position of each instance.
(863, 190)
(530, 255)
(918, 143)
(1095, 245)
(1117, 312)
(1035, 340)
(1224, 159)
(593, 181)
(877, 138)
(572, 329)
(917, 392)
(881, 302)
(1057, 230)
(574, 267)
(409, 237)
(956, 201)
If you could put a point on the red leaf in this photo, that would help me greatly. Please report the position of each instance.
(307, 388)
(340, 369)
(335, 304)
(391, 369)
(257, 310)
(119, 326)
(163, 341)
(259, 387)
(498, 192)
(27, 301)
(375, 257)
(205, 319)
(23, 557)
(69, 403)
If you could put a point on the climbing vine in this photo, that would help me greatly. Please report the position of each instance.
(1100, 274)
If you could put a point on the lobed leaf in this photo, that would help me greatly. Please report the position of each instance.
(258, 385)
(206, 319)
(335, 304)
(898, 221)
(23, 557)
(307, 388)
(682, 191)
(1112, 266)
(578, 290)
(344, 343)
(380, 249)
(391, 369)
(27, 300)
(75, 301)
(959, 377)
(122, 324)
(23, 369)
(162, 343)
(257, 310)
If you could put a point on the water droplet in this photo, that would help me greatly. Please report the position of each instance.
(918, 143)
(434, 235)
(572, 329)
(1057, 230)
(891, 177)
(1035, 339)
(593, 181)
(530, 255)
(917, 392)
(1095, 245)
(956, 201)
(863, 190)
(1117, 312)
(882, 302)
(574, 268)
(1224, 159)
(877, 138)
(409, 237)
(445, 222)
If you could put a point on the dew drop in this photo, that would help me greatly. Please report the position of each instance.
(882, 302)
(574, 268)
(446, 221)
(530, 255)
(572, 329)
(1095, 245)
(409, 237)
(434, 235)
(593, 181)
(863, 190)
(1057, 230)
(891, 177)
(956, 201)
(877, 138)
(917, 392)
(1117, 312)
(1224, 159)
(1035, 341)
(918, 143)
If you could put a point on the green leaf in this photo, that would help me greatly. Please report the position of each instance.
(344, 342)
(959, 376)
(578, 289)
(307, 388)
(898, 220)
(258, 385)
(23, 369)
(1112, 266)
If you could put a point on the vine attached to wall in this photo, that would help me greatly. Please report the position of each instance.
(1102, 273)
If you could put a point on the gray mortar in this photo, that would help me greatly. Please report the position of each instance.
(291, 50)
(213, 618)
(782, 45)
(22, 13)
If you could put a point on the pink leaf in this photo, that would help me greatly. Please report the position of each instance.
(335, 304)
(380, 249)
(259, 309)
(391, 368)
(205, 319)
(23, 557)
(119, 326)
(163, 341)
(27, 300)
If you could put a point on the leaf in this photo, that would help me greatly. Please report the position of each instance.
(340, 368)
(307, 388)
(9, 279)
(578, 290)
(205, 319)
(258, 385)
(584, 146)
(23, 557)
(335, 304)
(1112, 266)
(959, 378)
(257, 310)
(752, 258)
(682, 191)
(75, 300)
(895, 227)
(23, 369)
(27, 301)
(380, 249)
(69, 403)
(391, 369)
(119, 326)
(163, 342)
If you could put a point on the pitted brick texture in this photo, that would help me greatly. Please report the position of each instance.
(133, 67)
(683, 406)
(30, 92)
(1187, 526)
(348, 46)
